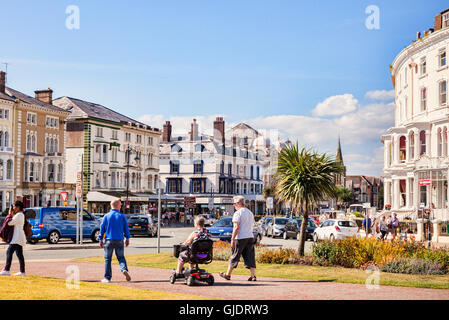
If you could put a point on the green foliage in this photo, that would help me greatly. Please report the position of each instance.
(413, 266)
(358, 214)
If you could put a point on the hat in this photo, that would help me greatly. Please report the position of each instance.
(238, 199)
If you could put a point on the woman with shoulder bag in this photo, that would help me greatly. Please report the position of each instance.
(18, 240)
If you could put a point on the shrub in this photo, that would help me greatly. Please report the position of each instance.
(413, 266)
(276, 256)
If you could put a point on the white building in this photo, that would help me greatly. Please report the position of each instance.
(416, 160)
(213, 168)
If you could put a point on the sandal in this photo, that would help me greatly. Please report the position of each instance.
(252, 279)
(223, 275)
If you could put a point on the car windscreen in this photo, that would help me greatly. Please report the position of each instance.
(310, 223)
(223, 223)
(280, 221)
(347, 224)
(138, 220)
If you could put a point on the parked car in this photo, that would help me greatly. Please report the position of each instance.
(142, 225)
(263, 224)
(293, 229)
(276, 227)
(335, 229)
(55, 223)
(209, 219)
(222, 230)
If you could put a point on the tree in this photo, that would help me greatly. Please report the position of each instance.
(344, 195)
(303, 178)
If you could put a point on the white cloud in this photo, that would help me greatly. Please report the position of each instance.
(336, 105)
(383, 95)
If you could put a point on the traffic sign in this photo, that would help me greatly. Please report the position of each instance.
(79, 187)
(64, 196)
(189, 202)
(270, 203)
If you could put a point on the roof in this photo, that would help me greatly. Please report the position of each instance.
(30, 100)
(84, 109)
(4, 96)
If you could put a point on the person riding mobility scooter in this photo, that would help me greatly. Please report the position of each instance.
(198, 249)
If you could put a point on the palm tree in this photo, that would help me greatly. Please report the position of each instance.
(344, 195)
(302, 179)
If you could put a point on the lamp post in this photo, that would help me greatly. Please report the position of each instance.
(128, 155)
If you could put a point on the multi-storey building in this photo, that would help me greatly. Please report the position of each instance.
(7, 125)
(33, 139)
(103, 138)
(416, 149)
(212, 168)
(365, 189)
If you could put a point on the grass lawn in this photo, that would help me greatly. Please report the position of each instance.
(43, 288)
(314, 273)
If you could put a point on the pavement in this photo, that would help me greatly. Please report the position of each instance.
(236, 289)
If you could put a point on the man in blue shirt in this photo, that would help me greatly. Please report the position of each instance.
(114, 228)
(366, 223)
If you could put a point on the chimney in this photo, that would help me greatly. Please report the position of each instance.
(219, 129)
(166, 133)
(438, 22)
(44, 95)
(2, 82)
(194, 131)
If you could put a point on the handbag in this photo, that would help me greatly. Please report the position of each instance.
(27, 229)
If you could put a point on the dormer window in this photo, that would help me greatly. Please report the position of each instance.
(445, 20)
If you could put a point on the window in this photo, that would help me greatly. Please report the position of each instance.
(423, 66)
(412, 145)
(114, 134)
(31, 118)
(150, 182)
(105, 179)
(230, 169)
(9, 170)
(174, 166)
(445, 23)
(423, 99)
(60, 172)
(442, 58)
(422, 141)
(52, 122)
(139, 138)
(51, 173)
(150, 160)
(127, 137)
(105, 153)
(114, 154)
(31, 171)
(445, 142)
(443, 92)
(4, 114)
(198, 166)
(440, 142)
(150, 141)
(112, 179)
(99, 132)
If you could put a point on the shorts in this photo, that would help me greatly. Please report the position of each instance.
(244, 248)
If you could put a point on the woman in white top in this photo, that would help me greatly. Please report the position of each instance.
(18, 240)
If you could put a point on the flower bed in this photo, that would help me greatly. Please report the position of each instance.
(390, 256)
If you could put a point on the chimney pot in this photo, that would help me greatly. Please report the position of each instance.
(44, 95)
(2, 82)
(166, 133)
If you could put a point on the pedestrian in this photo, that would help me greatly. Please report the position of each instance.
(383, 226)
(395, 224)
(367, 224)
(242, 240)
(18, 240)
(114, 228)
(177, 216)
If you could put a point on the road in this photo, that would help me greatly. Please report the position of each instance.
(66, 249)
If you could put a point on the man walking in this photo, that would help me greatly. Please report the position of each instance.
(395, 224)
(366, 223)
(383, 228)
(113, 229)
(242, 240)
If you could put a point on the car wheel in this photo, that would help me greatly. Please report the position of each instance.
(95, 236)
(53, 237)
(73, 240)
(285, 235)
(315, 237)
(172, 279)
(189, 281)
(210, 281)
(331, 237)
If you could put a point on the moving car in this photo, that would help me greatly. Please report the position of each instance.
(55, 223)
(142, 225)
(293, 229)
(276, 227)
(222, 230)
(335, 229)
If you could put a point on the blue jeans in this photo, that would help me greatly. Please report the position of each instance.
(109, 247)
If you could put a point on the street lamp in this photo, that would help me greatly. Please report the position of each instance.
(128, 155)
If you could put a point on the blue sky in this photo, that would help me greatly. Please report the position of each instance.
(246, 60)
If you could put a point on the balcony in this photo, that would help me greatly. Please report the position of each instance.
(53, 154)
(7, 149)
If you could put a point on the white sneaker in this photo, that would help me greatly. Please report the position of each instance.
(20, 274)
(5, 273)
(105, 281)
(126, 274)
